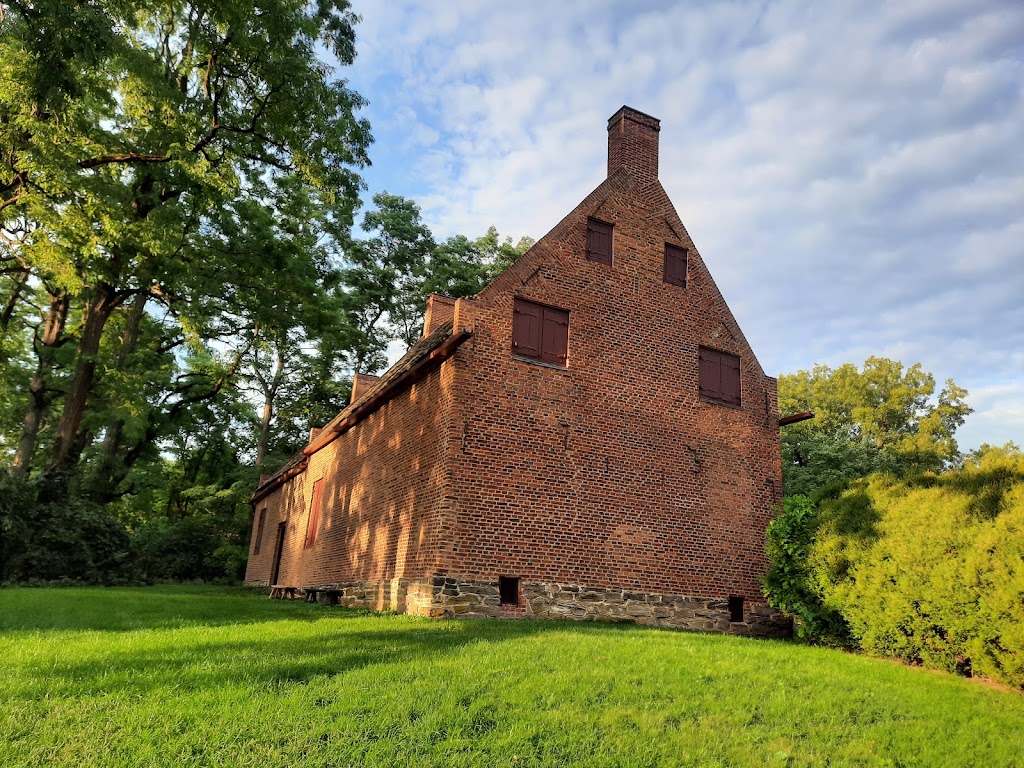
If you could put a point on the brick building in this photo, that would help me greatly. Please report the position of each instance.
(589, 437)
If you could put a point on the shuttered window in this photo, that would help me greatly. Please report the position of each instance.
(675, 265)
(540, 333)
(599, 241)
(313, 525)
(719, 376)
(259, 531)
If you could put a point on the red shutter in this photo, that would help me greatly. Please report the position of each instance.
(526, 329)
(555, 338)
(719, 376)
(314, 513)
(259, 531)
(675, 265)
(731, 379)
(599, 241)
(710, 374)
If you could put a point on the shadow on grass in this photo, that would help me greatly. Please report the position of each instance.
(281, 655)
(126, 609)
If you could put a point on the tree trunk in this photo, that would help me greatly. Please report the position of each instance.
(67, 443)
(40, 395)
(12, 302)
(268, 408)
(108, 476)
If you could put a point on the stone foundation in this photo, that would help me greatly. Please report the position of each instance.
(415, 596)
(450, 597)
(550, 600)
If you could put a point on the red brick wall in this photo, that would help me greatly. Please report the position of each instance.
(612, 472)
(383, 497)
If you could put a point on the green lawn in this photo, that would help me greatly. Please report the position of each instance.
(190, 676)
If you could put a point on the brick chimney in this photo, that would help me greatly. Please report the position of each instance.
(440, 309)
(361, 384)
(633, 143)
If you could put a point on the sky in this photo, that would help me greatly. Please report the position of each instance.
(852, 173)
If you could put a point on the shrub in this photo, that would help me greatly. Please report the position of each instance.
(59, 540)
(929, 570)
(207, 544)
(788, 584)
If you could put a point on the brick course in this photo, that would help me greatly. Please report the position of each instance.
(610, 473)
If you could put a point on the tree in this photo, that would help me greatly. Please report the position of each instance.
(130, 134)
(181, 297)
(880, 417)
(392, 272)
(384, 278)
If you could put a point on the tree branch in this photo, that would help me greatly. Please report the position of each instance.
(127, 157)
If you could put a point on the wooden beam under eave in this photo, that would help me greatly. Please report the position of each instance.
(795, 418)
(262, 493)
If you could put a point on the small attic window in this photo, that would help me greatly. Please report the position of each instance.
(675, 265)
(599, 241)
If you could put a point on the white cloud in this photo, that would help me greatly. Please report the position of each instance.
(851, 174)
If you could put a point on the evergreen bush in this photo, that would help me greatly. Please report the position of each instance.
(928, 570)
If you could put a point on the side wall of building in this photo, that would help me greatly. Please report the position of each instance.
(612, 473)
(383, 517)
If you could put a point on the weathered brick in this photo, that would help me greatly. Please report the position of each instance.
(608, 475)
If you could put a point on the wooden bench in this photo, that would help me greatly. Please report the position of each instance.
(281, 592)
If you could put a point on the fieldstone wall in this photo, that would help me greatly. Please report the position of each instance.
(549, 600)
(451, 597)
(415, 596)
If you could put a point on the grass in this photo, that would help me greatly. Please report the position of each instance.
(196, 676)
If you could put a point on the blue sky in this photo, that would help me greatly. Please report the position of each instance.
(852, 173)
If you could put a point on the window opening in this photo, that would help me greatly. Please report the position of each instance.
(508, 590)
(675, 265)
(736, 609)
(719, 376)
(259, 531)
(540, 332)
(599, 241)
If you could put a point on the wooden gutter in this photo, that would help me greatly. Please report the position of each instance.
(796, 417)
(407, 378)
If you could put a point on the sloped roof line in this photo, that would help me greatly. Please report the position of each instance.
(417, 352)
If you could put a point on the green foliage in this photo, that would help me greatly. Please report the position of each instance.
(167, 676)
(789, 584)
(181, 297)
(879, 418)
(814, 462)
(391, 273)
(929, 570)
(49, 541)
(196, 547)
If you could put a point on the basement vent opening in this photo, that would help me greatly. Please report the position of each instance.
(735, 609)
(508, 590)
